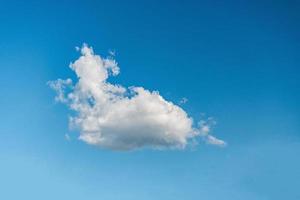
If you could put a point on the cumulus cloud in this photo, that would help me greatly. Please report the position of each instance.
(114, 117)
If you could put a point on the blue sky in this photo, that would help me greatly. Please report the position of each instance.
(236, 61)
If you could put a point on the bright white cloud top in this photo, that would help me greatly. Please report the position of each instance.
(114, 117)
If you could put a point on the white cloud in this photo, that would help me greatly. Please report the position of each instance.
(114, 117)
(215, 141)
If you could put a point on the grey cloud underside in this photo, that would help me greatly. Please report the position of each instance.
(114, 117)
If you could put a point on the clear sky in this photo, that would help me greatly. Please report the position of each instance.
(237, 61)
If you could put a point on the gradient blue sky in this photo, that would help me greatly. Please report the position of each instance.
(237, 61)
